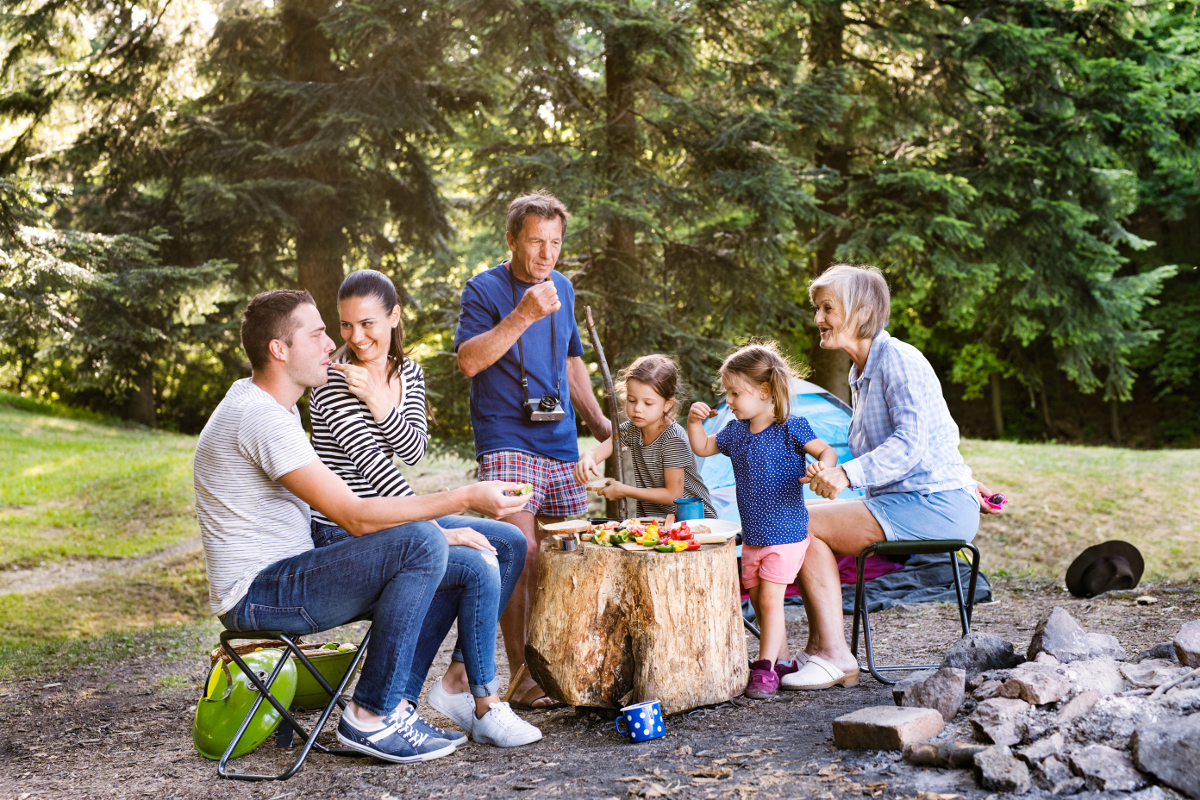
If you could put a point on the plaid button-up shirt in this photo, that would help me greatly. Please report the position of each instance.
(902, 435)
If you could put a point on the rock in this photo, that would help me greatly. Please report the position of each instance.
(1154, 793)
(1152, 672)
(885, 727)
(1036, 684)
(1104, 769)
(1060, 636)
(1046, 658)
(1052, 745)
(908, 681)
(958, 753)
(1101, 675)
(1113, 720)
(1185, 701)
(979, 652)
(987, 690)
(999, 720)
(1160, 650)
(921, 754)
(1079, 706)
(1171, 753)
(997, 771)
(1187, 644)
(942, 691)
(1055, 777)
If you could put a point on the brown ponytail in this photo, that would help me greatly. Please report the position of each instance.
(759, 363)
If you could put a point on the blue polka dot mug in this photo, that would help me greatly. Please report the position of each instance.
(643, 721)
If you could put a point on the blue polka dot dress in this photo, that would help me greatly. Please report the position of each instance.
(768, 467)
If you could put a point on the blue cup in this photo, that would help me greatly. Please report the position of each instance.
(689, 508)
(643, 721)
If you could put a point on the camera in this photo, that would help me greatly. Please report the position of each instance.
(548, 409)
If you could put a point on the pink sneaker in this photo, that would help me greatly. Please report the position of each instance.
(764, 681)
(782, 669)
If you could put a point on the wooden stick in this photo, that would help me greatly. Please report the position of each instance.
(613, 413)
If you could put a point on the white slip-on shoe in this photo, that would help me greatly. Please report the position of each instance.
(817, 673)
(458, 706)
(502, 727)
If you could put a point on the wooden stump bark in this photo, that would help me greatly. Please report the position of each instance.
(611, 627)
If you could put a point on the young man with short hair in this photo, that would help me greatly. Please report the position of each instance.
(256, 477)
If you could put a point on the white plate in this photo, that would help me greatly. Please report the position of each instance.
(722, 529)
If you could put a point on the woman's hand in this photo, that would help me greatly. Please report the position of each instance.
(468, 537)
(828, 483)
(982, 492)
(613, 491)
(363, 386)
(585, 468)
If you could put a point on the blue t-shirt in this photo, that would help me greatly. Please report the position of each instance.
(768, 467)
(496, 397)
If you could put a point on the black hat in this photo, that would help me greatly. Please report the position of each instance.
(1105, 567)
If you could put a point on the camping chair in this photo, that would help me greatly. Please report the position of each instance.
(908, 548)
(288, 725)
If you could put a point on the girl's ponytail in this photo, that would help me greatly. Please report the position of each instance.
(760, 363)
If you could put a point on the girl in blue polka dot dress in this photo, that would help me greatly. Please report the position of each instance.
(767, 446)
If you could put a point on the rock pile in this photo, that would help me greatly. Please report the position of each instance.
(1076, 714)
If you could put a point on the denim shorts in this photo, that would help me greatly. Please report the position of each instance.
(912, 516)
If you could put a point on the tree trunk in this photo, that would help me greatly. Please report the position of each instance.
(140, 402)
(610, 627)
(997, 411)
(830, 368)
(1115, 405)
(1046, 410)
(320, 242)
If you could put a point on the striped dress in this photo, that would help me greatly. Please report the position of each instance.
(359, 449)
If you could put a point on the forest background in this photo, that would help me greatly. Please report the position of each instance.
(1026, 173)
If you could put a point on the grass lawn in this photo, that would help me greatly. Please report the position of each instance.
(85, 489)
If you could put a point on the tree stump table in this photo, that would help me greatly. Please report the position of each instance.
(611, 627)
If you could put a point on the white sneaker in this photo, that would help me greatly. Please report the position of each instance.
(458, 706)
(503, 728)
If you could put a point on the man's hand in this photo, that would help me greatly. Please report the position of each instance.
(489, 498)
(539, 301)
(468, 537)
(828, 483)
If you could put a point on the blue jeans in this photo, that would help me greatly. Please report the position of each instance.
(392, 575)
(474, 590)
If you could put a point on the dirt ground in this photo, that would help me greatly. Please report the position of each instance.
(124, 730)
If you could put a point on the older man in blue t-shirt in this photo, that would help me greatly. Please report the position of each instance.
(518, 343)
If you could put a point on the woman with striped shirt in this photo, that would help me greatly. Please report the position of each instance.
(372, 409)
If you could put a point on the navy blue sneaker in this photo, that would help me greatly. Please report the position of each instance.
(454, 737)
(398, 740)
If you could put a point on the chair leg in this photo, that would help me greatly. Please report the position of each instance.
(975, 557)
(750, 626)
(310, 742)
(962, 609)
(860, 594)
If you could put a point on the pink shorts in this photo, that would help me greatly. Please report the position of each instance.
(555, 491)
(779, 563)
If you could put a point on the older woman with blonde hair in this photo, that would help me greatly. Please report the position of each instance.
(905, 447)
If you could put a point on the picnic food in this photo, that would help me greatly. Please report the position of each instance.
(569, 527)
(522, 488)
(597, 484)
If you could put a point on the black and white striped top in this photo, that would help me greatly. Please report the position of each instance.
(669, 451)
(359, 449)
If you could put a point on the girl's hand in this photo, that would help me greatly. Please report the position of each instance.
(811, 471)
(829, 482)
(468, 537)
(699, 412)
(614, 491)
(585, 468)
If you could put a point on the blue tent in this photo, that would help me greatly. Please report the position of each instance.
(830, 420)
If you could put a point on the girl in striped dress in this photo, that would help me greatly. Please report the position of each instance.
(371, 410)
(664, 466)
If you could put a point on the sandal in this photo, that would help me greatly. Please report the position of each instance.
(524, 702)
(817, 673)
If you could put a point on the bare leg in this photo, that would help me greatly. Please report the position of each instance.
(833, 529)
(455, 681)
(767, 599)
(515, 619)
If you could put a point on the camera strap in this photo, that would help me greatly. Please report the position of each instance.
(521, 350)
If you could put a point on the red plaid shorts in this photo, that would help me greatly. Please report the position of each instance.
(555, 492)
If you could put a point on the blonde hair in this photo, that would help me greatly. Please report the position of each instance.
(864, 294)
(661, 373)
(761, 362)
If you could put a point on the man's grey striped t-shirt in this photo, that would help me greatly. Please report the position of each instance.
(247, 519)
